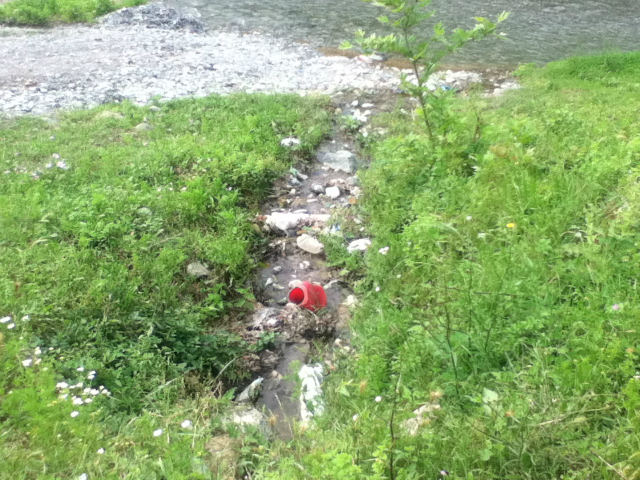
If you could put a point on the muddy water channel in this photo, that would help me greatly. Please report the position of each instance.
(538, 30)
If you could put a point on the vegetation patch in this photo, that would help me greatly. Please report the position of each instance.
(45, 12)
(497, 336)
(125, 256)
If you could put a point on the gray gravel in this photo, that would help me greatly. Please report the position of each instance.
(153, 51)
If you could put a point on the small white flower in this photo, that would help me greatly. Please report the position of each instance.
(183, 189)
(64, 397)
(83, 477)
(94, 392)
(377, 289)
(77, 401)
(378, 399)
(158, 432)
(469, 218)
(62, 164)
(56, 156)
(355, 417)
(38, 360)
(159, 189)
(49, 165)
(26, 318)
(27, 362)
(5, 319)
(86, 391)
(88, 400)
(51, 349)
(11, 326)
(91, 376)
(37, 351)
(383, 250)
(78, 385)
(398, 276)
(482, 235)
(80, 369)
(75, 413)
(100, 451)
(186, 424)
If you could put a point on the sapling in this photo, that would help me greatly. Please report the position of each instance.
(424, 49)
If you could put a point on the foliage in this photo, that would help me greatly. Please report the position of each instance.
(506, 307)
(411, 18)
(44, 12)
(99, 221)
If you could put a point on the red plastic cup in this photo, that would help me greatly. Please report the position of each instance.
(309, 295)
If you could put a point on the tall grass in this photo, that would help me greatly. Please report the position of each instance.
(506, 306)
(99, 222)
(45, 12)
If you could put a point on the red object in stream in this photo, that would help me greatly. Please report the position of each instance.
(309, 295)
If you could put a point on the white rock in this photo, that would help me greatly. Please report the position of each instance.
(294, 283)
(359, 245)
(317, 188)
(310, 244)
(198, 269)
(285, 221)
(332, 192)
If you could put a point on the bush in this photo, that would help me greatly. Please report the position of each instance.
(44, 12)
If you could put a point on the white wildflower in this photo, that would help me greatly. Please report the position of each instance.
(398, 276)
(100, 451)
(84, 476)
(64, 396)
(378, 399)
(75, 413)
(38, 360)
(88, 400)
(94, 392)
(186, 424)
(26, 318)
(11, 326)
(355, 417)
(27, 362)
(469, 218)
(383, 250)
(377, 289)
(5, 319)
(80, 369)
(77, 401)
(482, 235)
(62, 164)
(49, 165)
(158, 432)
(37, 351)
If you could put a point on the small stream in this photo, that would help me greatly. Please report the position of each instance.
(537, 30)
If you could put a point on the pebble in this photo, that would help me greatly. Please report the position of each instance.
(317, 188)
(332, 192)
(277, 269)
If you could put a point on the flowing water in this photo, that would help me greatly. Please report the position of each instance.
(537, 30)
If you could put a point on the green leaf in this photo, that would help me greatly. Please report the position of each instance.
(346, 46)
(383, 19)
(489, 396)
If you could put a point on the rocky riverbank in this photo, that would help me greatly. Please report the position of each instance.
(157, 52)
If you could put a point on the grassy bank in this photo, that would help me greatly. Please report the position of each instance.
(102, 213)
(45, 12)
(505, 311)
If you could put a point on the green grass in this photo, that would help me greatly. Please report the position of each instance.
(93, 262)
(507, 303)
(45, 12)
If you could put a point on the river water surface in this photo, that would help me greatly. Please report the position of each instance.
(537, 30)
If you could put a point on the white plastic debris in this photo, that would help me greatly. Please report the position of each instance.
(251, 393)
(289, 142)
(310, 244)
(311, 402)
(359, 245)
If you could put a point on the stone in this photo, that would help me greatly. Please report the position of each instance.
(294, 283)
(277, 269)
(252, 392)
(289, 142)
(359, 245)
(317, 188)
(198, 270)
(332, 192)
(285, 221)
(144, 126)
(245, 416)
(342, 160)
(310, 244)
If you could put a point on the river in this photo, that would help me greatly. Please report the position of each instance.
(537, 30)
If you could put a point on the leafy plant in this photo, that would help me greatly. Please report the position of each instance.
(410, 18)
